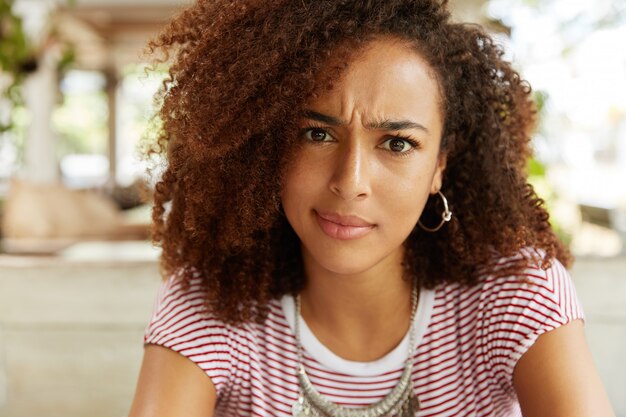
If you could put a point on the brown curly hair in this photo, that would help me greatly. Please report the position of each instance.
(240, 73)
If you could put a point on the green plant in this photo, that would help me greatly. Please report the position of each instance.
(16, 57)
(19, 56)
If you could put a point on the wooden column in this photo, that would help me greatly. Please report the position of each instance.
(111, 91)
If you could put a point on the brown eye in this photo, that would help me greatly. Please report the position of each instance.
(398, 145)
(317, 135)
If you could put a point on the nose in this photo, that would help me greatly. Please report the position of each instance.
(350, 179)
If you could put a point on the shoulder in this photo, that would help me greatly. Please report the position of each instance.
(515, 309)
(179, 313)
(540, 292)
(535, 288)
(182, 322)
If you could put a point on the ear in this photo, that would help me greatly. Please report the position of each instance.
(442, 161)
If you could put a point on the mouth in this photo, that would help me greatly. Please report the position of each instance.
(341, 227)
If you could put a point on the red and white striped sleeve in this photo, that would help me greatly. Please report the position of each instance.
(517, 310)
(181, 322)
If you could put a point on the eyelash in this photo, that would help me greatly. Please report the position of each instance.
(311, 128)
(415, 144)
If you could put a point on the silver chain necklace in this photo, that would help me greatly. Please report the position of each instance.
(400, 402)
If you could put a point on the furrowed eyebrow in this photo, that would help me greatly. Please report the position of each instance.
(396, 125)
(380, 125)
(333, 121)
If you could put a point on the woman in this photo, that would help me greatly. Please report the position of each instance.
(346, 225)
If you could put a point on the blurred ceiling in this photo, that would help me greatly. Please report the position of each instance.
(109, 34)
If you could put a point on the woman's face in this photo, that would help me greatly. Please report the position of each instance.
(368, 161)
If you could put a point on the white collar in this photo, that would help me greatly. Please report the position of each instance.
(390, 362)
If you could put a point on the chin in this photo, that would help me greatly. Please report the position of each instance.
(342, 264)
(346, 269)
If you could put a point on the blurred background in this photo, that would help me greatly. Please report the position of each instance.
(78, 274)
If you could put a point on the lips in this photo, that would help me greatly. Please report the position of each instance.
(343, 227)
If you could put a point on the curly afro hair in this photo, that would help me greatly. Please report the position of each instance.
(239, 75)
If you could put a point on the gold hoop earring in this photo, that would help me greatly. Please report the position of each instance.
(445, 216)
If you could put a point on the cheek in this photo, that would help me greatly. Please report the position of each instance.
(407, 197)
(305, 172)
(298, 184)
(290, 195)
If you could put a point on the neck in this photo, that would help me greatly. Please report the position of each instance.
(359, 316)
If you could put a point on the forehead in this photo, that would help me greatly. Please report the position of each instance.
(387, 78)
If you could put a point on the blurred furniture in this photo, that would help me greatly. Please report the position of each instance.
(71, 329)
(613, 218)
(38, 218)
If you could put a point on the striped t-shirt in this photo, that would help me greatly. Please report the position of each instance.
(468, 342)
